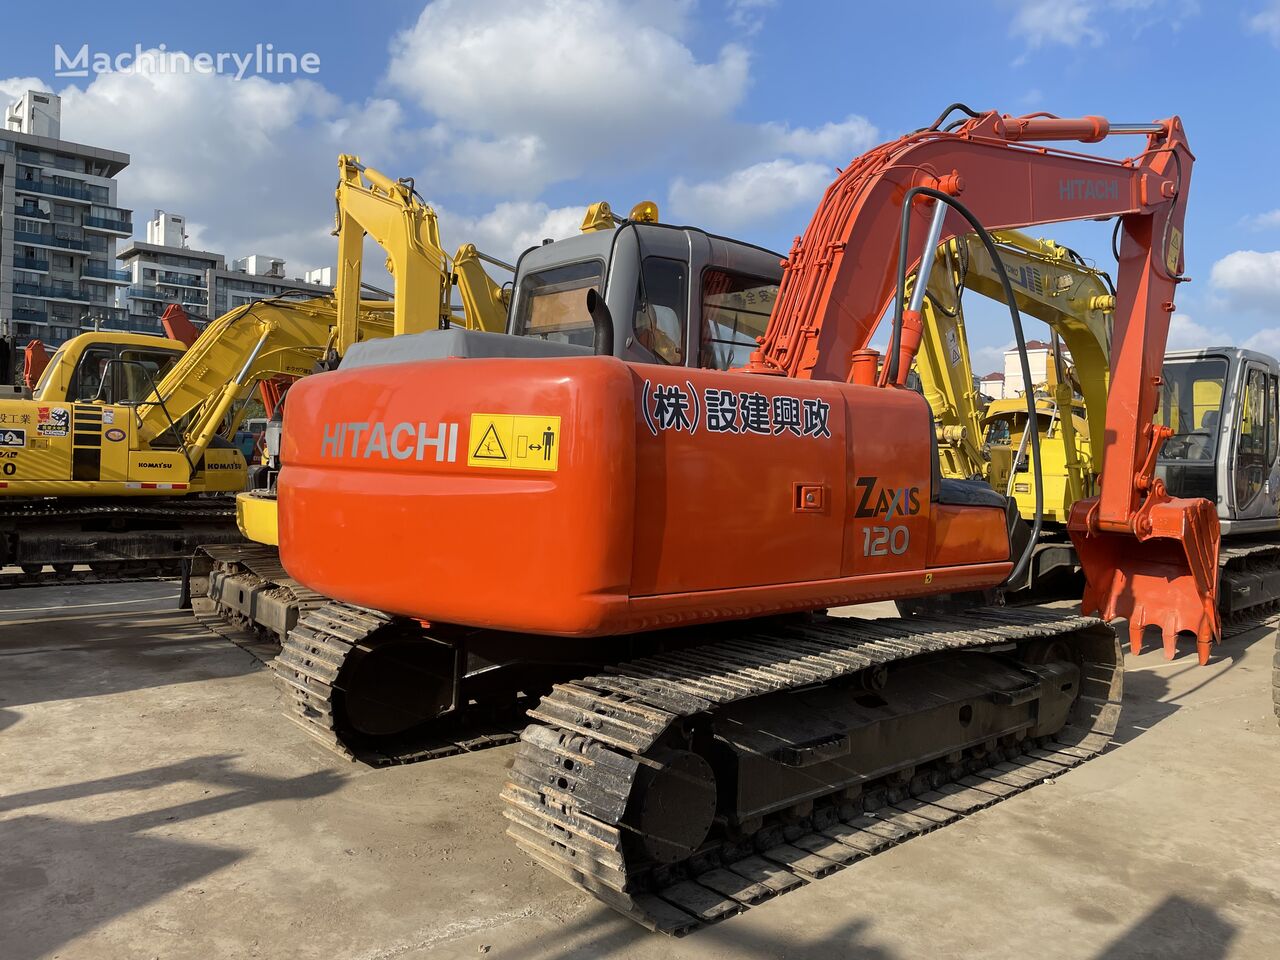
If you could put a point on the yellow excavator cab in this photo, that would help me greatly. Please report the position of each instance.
(1011, 467)
(78, 367)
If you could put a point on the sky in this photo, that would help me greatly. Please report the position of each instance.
(733, 115)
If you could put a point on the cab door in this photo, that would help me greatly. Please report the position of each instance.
(1253, 463)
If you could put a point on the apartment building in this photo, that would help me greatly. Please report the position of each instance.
(165, 270)
(59, 224)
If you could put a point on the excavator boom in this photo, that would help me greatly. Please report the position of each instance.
(1147, 557)
(395, 216)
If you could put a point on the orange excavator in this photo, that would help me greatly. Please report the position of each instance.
(669, 534)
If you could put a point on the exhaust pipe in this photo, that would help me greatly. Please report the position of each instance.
(602, 319)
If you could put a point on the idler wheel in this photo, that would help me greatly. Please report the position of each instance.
(674, 805)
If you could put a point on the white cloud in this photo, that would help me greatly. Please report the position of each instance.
(1248, 278)
(1065, 22)
(748, 15)
(1185, 334)
(791, 179)
(988, 359)
(751, 195)
(14, 87)
(1267, 22)
(1266, 341)
(1263, 221)
(509, 228)
(832, 141)
(1075, 23)
(252, 162)
(573, 84)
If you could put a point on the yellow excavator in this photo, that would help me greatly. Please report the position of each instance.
(110, 472)
(242, 585)
(113, 477)
(991, 441)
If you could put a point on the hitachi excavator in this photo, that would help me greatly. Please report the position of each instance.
(674, 529)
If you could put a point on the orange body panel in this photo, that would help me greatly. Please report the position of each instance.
(677, 495)
(963, 535)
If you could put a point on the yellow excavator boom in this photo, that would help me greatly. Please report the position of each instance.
(278, 337)
(391, 212)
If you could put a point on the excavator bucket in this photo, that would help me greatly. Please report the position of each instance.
(1166, 576)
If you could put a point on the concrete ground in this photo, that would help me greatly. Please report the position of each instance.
(154, 804)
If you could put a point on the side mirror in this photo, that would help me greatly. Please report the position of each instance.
(602, 320)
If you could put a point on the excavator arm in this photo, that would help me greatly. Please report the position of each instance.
(484, 303)
(391, 212)
(945, 368)
(1051, 284)
(266, 339)
(1147, 557)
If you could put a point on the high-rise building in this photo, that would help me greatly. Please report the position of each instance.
(59, 223)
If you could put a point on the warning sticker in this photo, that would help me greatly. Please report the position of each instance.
(953, 346)
(514, 442)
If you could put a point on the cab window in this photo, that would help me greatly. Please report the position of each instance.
(998, 433)
(735, 310)
(140, 370)
(87, 382)
(1273, 420)
(43, 382)
(661, 319)
(553, 303)
(1190, 403)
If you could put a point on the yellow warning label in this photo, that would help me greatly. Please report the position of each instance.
(1174, 252)
(514, 442)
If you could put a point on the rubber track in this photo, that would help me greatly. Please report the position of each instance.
(571, 778)
(309, 665)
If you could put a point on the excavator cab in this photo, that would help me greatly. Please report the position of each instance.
(678, 296)
(110, 367)
(1222, 407)
(675, 296)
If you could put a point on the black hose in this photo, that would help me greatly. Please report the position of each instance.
(951, 108)
(895, 343)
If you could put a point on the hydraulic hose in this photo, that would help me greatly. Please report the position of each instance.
(896, 341)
